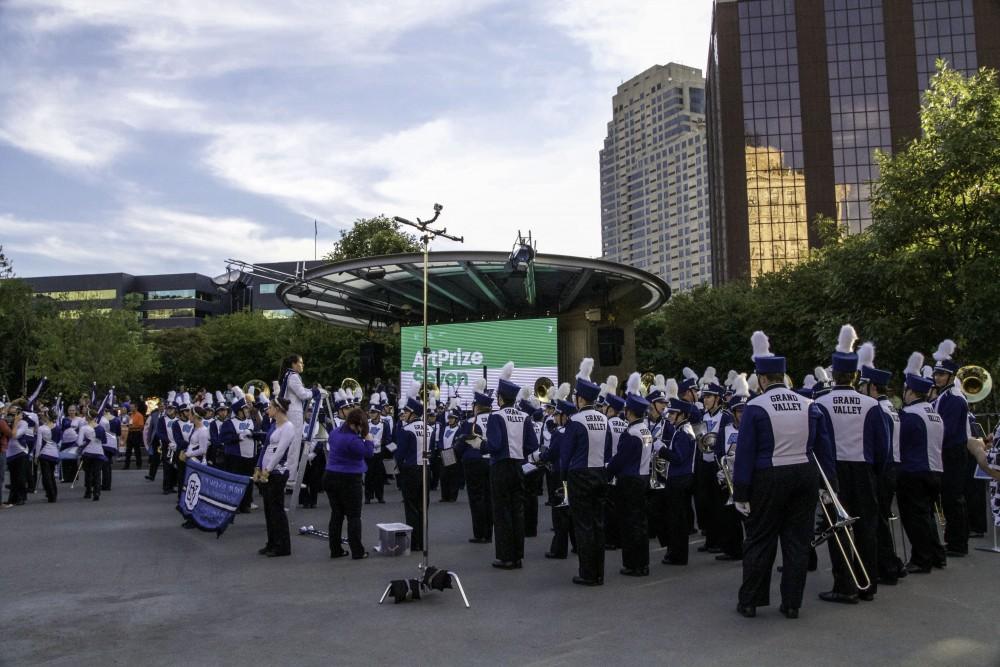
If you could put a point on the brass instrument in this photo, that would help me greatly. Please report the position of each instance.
(835, 527)
(565, 494)
(260, 388)
(976, 382)
(706, 442)
(659, 469)
(646, 381)
(541, 389)
(350, 384)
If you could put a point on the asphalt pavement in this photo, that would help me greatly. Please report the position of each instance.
(119, 582)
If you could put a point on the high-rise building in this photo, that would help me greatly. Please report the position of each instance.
(654, 177)
(800, 94)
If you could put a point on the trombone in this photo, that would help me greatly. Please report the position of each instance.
(842, 523)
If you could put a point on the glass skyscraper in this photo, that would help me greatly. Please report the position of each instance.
(800, 93)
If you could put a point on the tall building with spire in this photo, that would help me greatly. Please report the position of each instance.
(654, 177)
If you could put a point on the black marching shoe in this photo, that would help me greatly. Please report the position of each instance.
(586, 582)
(338, 554)
(634, 571)
(505, 564)
(842, 598)
(265, 550)
(479, 540)
(789, 612)
(361, 556)
(728, 557)
(746, 610)
(87, 495)
(866, 596)
(549, 554)
(96, 497)
(952, 553)
(278, 554)
(913, 568)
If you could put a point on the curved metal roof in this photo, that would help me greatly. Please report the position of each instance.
(378, 292)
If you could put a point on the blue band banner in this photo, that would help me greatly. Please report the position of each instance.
(211, 496)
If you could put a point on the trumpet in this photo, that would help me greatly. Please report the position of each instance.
(842, 523)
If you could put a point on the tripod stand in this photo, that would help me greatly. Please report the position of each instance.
(427, 234)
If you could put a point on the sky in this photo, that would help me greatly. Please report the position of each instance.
(149, 137)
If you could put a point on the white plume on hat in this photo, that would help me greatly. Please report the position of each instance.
(479, 386)
(913, 364)
(524, 394)
(670, 389)
(586, 367)
(401, 403)
(611, 386)
(382, 397)
(809, 381)
(633, 383)
(660, 382)
(250, 392)
(866, 355)
(507, 371)
(338, 395)
(709, 377)
(945, 350)
(689, 374)
(731, 377)
(562, 393)
(821, 374)
(453, 403)
(761, 345)
(275, 388)
(927, 372)
(238, 392)
(219, 397)
(359, 394)
(740, 385)
(753, 383)
(846, 339)
(171, 395)
(374, 400)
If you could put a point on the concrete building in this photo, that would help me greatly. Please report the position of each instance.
(167, 301)
(654, 177)
(800, 95)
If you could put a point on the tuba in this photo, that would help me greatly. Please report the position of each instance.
(646, 381)
(541, 389)
(976, 383)
(706, 442)
(351, 385)
(260, 388)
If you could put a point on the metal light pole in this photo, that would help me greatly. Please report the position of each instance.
(427, 234)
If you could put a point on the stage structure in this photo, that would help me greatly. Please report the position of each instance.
(594, 302)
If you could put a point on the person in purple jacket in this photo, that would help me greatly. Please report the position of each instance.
(350, 445)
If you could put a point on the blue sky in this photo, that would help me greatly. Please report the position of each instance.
(148, 136)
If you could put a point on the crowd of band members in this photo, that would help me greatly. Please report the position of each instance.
(621, 466)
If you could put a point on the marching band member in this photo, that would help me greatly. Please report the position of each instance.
(47, 454)
(451, 472)
(409, 441)
(181, 431)
(475, 464)
(350, 446)
(379, 430)
(291, 388)
(730, 520)
(584, 460)
(708, 496)
(200, 439)
(953, 408)
(611, 406)
(510, 438)
(679, 452)
(155, 445)
(921, 440)
(216, 448)
(316, 446)
(239, 448)
(92, 458)
(856, 425)
(69, 452)
(18, 457)
(775, 483)
(629, 466)
(532, 481)
(169, 447)
(562, 522)
(660, 428)
(272, 475)
(874, 383)
(113, 430)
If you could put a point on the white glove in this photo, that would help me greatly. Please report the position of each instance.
(743, 508)
(533, 457)
(825, 497)
(310, 456)
(475, 442)
(721, 476)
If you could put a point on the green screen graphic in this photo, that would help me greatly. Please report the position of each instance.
(462, 350)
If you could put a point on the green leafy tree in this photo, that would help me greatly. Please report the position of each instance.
(370, 237)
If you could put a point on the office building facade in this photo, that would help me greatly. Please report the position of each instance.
(800, 95)
(654, 177)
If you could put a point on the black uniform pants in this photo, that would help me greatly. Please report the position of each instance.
(782, 506)
(69, 468)
(532, 489)
(856, 491)
(477, 481)
(889, 564)
(917, 492)
(241, 466)
(411, 481)
(678, 503)
(344, 492)
(450, 478)
(507, 487)
(133, 445)
(563, 535)
(731, 531)
(155, 454)
(92, 470)
(656, 515)
(706, 498)
(181, 467)
(375, 479)
(170, 479)
(975, 499)
(956, 513)
(47, 471)
(612, 524)
(18, 468)
(106, 472)
(273, 493)
(588, 489)
(434, 468)
(313, 480)
(629, 500)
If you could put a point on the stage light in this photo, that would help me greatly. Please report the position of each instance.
(522, 255)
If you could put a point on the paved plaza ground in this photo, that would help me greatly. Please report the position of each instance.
(120, 583)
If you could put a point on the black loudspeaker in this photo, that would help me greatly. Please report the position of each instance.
(371, 361)
(610, 343)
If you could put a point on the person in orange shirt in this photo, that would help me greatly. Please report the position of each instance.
(133, 441)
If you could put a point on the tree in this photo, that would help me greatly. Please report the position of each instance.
(370, 237)
(6, 267)
(19, 316)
